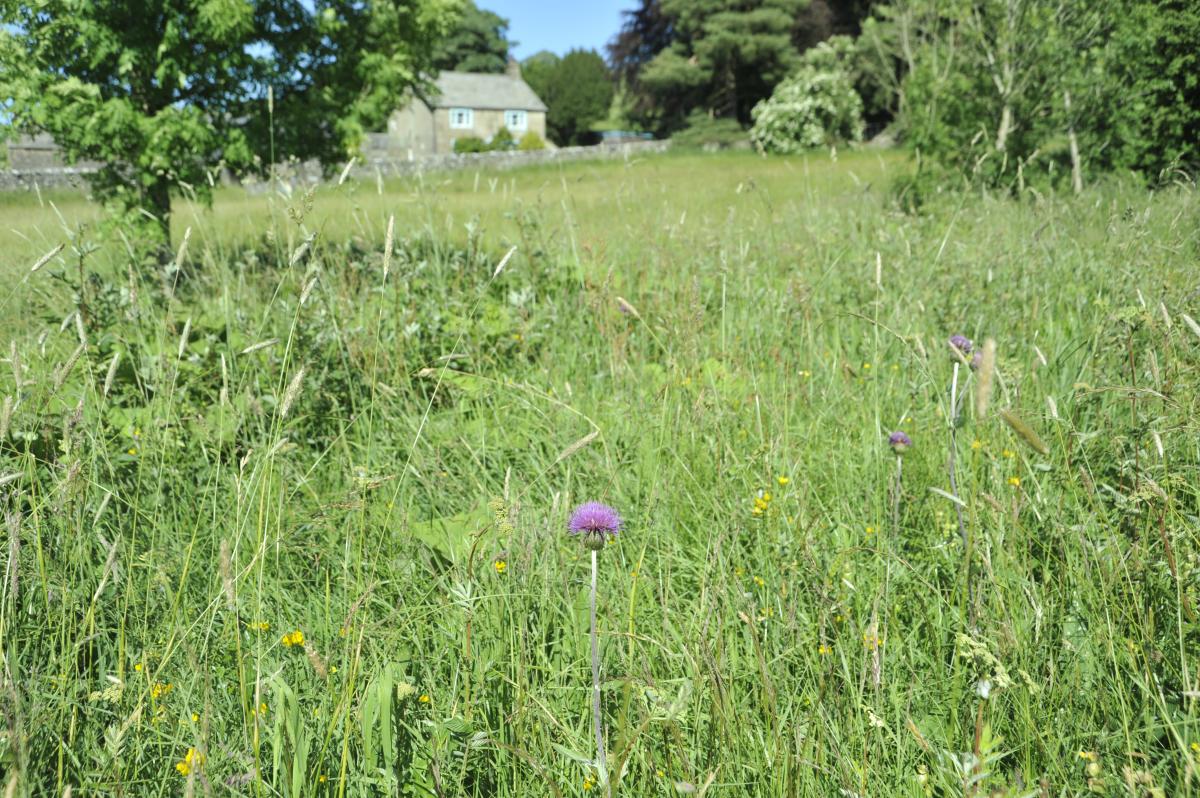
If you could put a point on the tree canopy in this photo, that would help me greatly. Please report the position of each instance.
(577, 88)
(477, 43)
(721, 57)
(168, 92)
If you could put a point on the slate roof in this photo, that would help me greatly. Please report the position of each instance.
(478, 90)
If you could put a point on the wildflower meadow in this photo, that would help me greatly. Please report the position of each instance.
(907, 491)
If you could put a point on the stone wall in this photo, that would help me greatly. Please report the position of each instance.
(377, 162)
(37, 159)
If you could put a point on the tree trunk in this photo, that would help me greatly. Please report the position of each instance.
(1005, 126)
(158, 202)
(1073, 140)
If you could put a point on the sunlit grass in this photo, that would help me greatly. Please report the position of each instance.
(374, 591)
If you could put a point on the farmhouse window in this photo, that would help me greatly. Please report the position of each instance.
(515, 120)
(462, 118)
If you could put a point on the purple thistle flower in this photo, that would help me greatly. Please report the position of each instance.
(962, 343)
(596, 522)
(899, 442)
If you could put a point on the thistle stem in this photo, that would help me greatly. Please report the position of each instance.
(896, 495)
(600, 755)
(962, 527)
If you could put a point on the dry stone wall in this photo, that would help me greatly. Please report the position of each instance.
(378, 162)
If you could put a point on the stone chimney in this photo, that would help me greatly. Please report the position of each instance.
(513, 68)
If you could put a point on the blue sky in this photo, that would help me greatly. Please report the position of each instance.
(559, 25)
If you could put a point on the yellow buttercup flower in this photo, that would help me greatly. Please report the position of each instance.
(193, 760)
(824, 650)
(501, 566)
(295, 638)
(1014, 481)
(424, 699)
(160, 689)
(783, 480)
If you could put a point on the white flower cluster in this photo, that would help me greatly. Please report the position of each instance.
(813, 108)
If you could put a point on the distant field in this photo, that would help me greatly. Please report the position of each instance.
(297, 526)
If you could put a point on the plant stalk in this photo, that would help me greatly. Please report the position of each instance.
(962, 527)
(600, 755)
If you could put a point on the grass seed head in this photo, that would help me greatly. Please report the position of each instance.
(1025, 432)
(986, 370)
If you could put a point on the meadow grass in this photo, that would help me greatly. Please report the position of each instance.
(279, 526)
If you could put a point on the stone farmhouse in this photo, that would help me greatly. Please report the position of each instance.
(466, 104)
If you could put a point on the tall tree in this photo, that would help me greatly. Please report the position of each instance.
(538, 71)
(167, 92)
(578, 93)
(722, 56)
(478, 42)
(1009, 91)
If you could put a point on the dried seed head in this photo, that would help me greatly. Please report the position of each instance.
(293, 390)
(61, 375)
(986, 371)
(42, 261)
(388, 243)
(225, 565)
(112, 372)
(314, 659)
(183, 338)
(6, 411)
(1025, 432)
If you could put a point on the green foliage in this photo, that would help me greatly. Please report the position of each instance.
(577, 89)
(466, 144)
(167, 93)
(538, 71)
(1156, 92)
(531, 141)
(169, 515)
(706, 133)
(816, 106)
(502, 140)
(1008, 93)
(725, 56)
(478, 42)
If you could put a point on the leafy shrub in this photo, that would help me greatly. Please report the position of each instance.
(470, 144)
(531, 141)
(704, 132)
(502, 140)
(815, 107)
